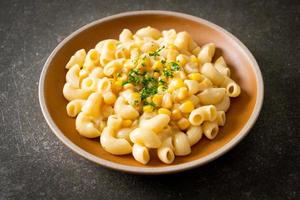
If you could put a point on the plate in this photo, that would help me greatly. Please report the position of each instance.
(241, 116)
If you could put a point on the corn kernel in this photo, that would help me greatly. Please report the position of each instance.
(149, 99)
(183, 124)
(181, 59)
(148, 108)
(175, 84)
(194, 59)
(176, 114)
(157, 99)
(195, 76)
(187, 107)
(156, 74)
(109, 98)
(164, 111)
(135, 96)
(117, 86)
(126, 123)
(182, 93)
(157, 65)
(144, 62)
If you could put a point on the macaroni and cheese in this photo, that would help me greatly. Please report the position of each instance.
(149, 91)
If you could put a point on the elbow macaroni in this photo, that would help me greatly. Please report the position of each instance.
(149, 90)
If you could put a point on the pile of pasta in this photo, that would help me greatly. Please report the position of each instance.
(149, 91)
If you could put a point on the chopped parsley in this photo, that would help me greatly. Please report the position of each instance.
(150, 103)
(168, 73)
(149, 84)
(161, 82)
(174, 66)
(144, 81)
(148, 91)
(157, 52)
(133, 77)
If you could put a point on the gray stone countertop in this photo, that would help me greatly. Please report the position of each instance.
(34, 164)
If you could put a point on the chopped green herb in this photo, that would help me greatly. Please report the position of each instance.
(163, 61)
(118, 74)
(125, 82)
(148, 91)
(150, 103)
(149, 81)
(174, 66)
(168, 73)
(161, 82)
(157, 52)
(156, 70)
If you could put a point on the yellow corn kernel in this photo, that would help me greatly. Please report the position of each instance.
(144, 62)
(126, 123)
(176, 114)
(182, 93)
(149, 99)
(157, 65)
(156, 74)
(183, 124)
(175, 84)
(187, 107)
(196, 76)
(117, 86)
(181, 59)
(109, 98)
(135, 98)
(148, 108)
(164, 111)
(194, 59)
(157, 99)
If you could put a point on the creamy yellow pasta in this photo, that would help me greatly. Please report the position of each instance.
(149, 91)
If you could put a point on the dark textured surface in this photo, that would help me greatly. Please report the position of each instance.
(34, 164)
